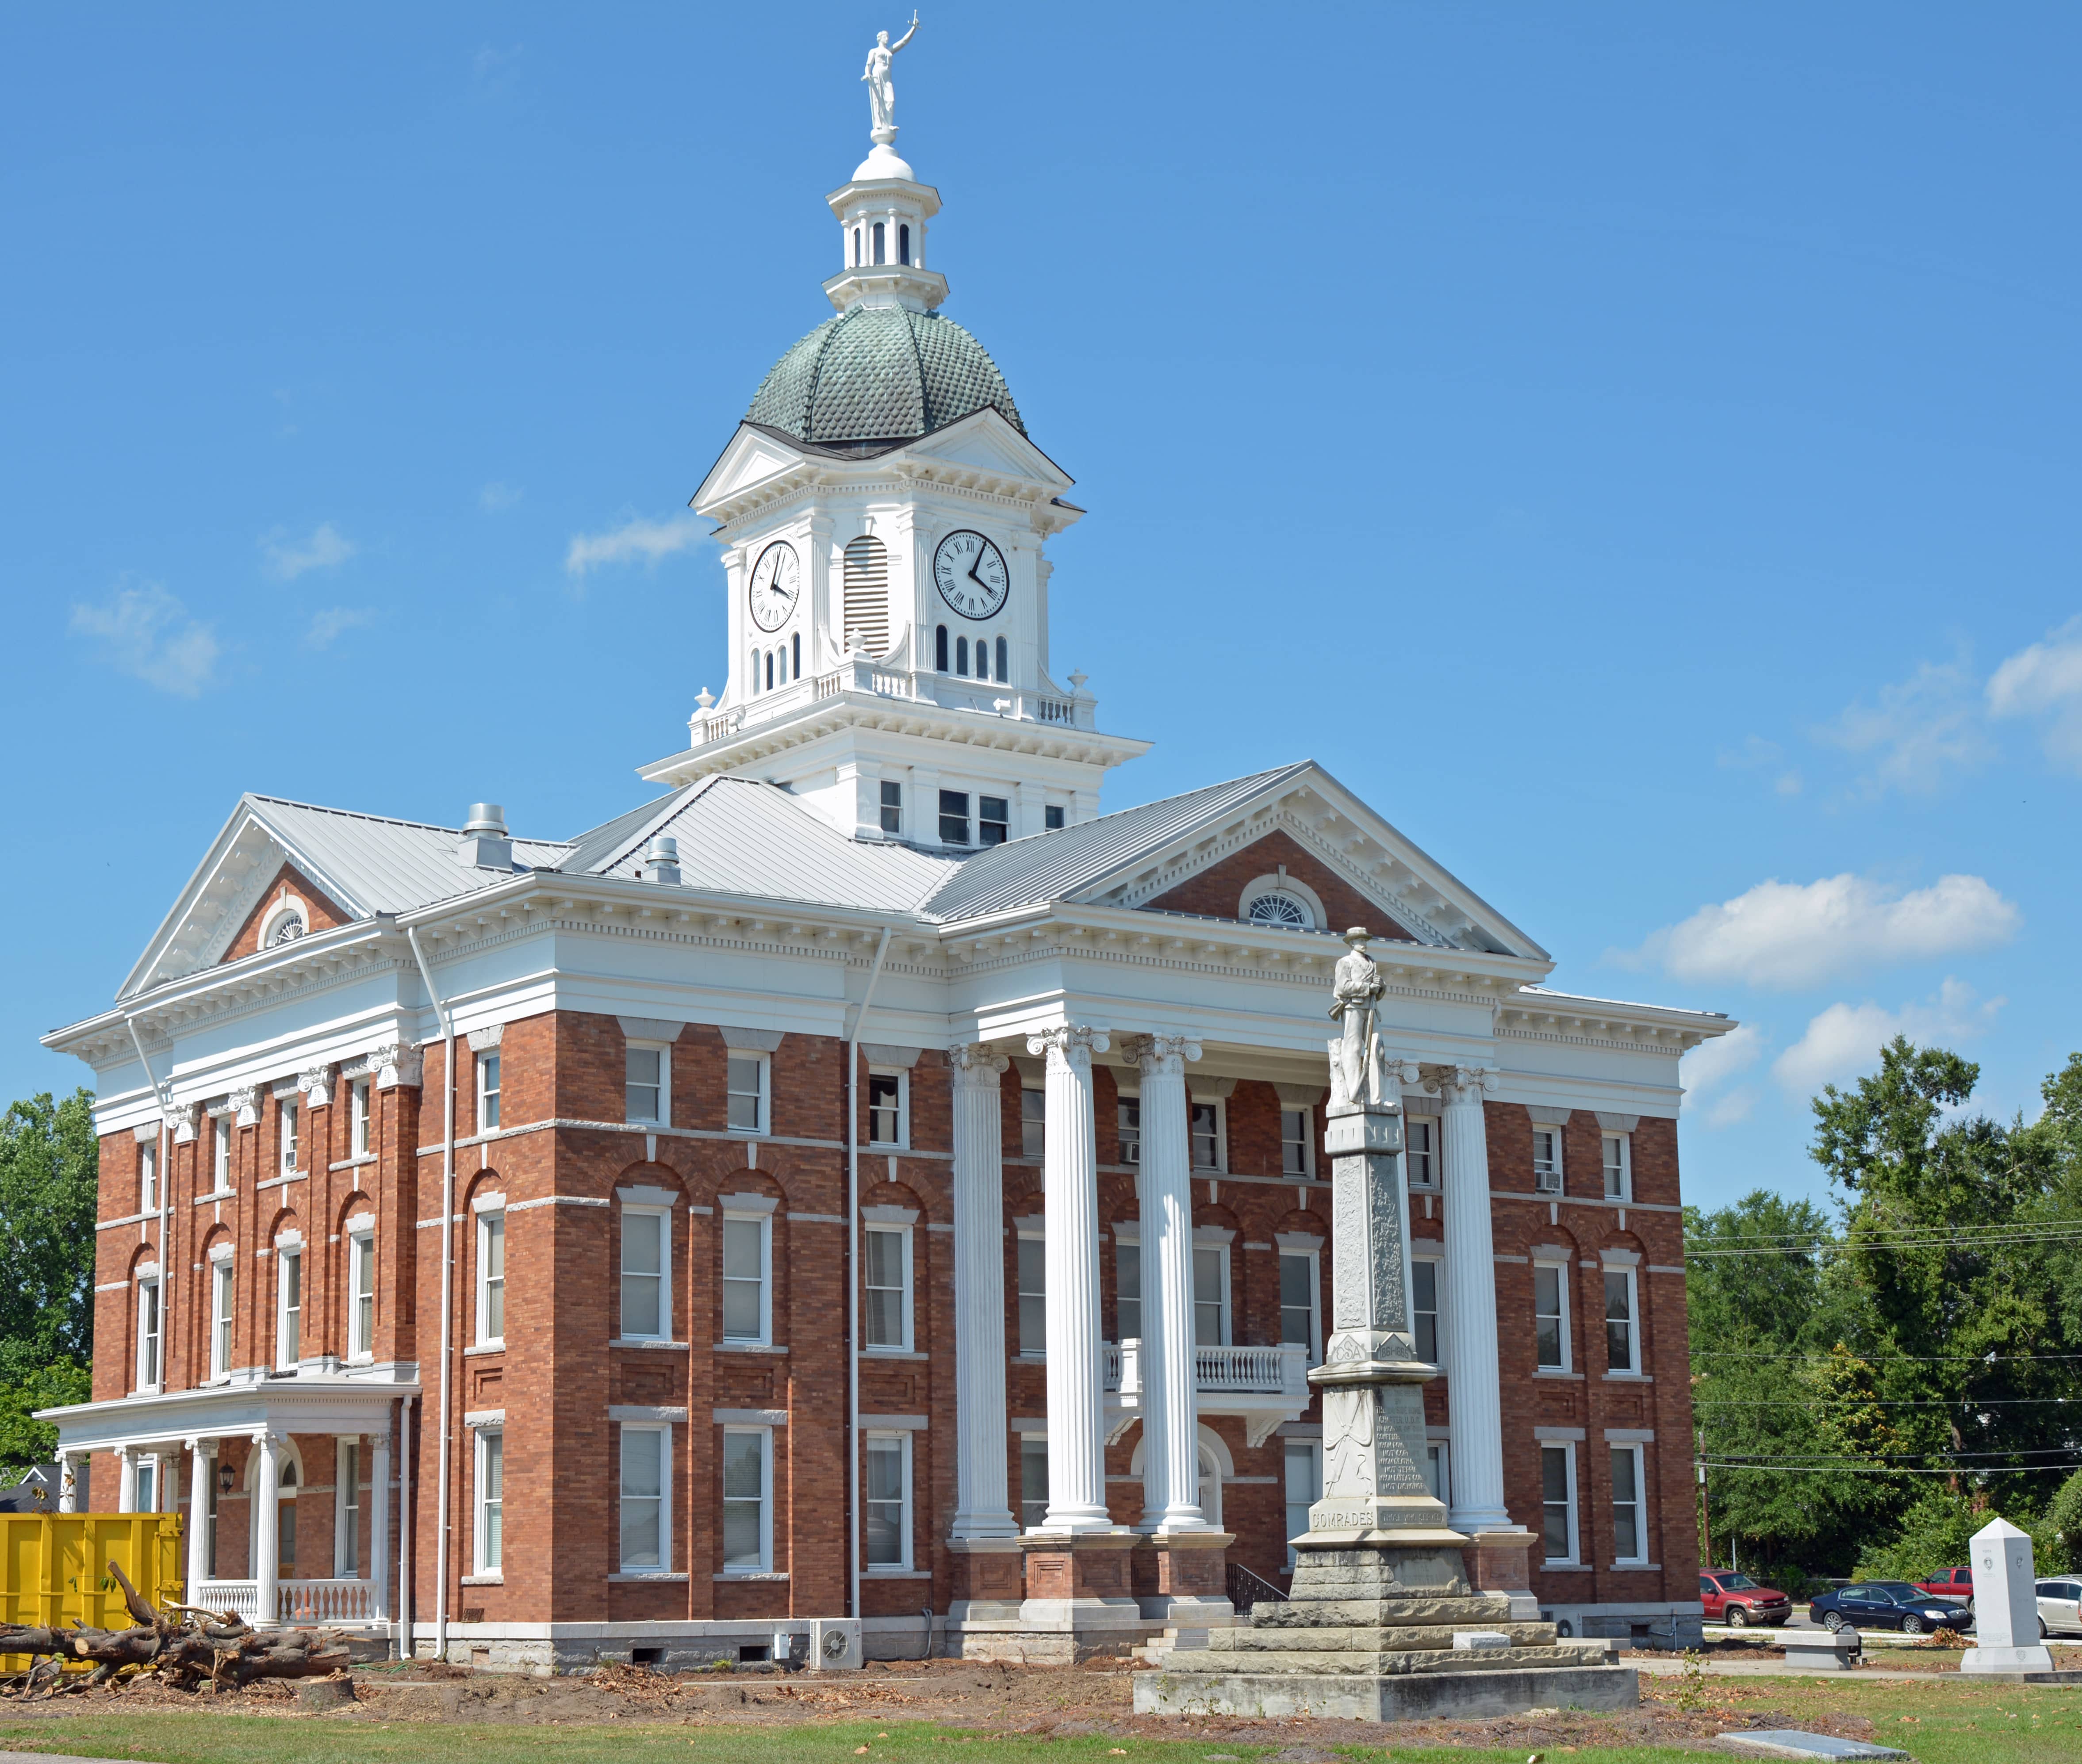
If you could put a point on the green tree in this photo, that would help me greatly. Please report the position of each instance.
(50, 1162)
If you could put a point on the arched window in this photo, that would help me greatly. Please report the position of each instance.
(755, 670)
(795, 655)
(940, 649)
(286, 927)
(1004, 672)
(877, 241)
(867, 594)
(904, 245)
(856, 247)
(961, 654)
(1276, 908)
(769, 670)
(982, 658)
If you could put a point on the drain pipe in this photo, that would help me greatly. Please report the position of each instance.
(447, 1292)
(852, 1281)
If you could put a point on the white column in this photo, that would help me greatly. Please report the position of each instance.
(267, 1532)
(1473, 1381)
(1076, 1433)
(377, 1567)
(1170, 1398)
(126, 1480)
(69, 1475)
(981, 1481)
(198, 1474)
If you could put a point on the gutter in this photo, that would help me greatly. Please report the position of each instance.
(448, 1294)
(852, 1281)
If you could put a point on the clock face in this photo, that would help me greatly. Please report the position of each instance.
(972, 575)
(777, 583)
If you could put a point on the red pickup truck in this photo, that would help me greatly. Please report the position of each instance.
(1736, 1600)
(1950, 1583)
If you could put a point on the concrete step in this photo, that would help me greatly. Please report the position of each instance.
(1394, 1663)
(1481, 1610)
(1383, 1639)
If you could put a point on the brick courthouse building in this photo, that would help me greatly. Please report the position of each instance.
(866, 1179)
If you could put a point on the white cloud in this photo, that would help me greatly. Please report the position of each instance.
(2044, 680)
(146, 632)
(1732, 1109)
(1845, 1039)
(1794, 934)
(496, 497)
(328, 623)
(633, 541)
(1923, 730)
(326, 549)
(1711, 1064)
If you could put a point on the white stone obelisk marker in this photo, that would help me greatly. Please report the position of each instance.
(2006, 1636)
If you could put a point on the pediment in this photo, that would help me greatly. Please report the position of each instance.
(983, 441)
(753, 456)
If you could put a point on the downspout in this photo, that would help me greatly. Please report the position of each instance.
(448, 1293)
(852, 1281)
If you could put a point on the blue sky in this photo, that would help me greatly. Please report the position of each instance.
(1635, 446)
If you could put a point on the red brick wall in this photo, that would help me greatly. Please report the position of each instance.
(323, 915)
(1217, 891)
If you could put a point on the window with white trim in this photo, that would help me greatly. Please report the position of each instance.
(1424, 1307)
(1127, 1285)
(221, 1152)
(148, 1176)
(1205, 1125)
(888, 1502)
(747, 1270)
(361, 1295)
(1622, 1332)
(1619, 1167)
(288, 1111)
(888, 1108)
(1421, 1142)
(361, 1121)
(1557, 1500)
(747, 1500)
(891, 806)
(1127, 1121)
(491, 1279)
(1302, 1463)
(888, 1262)
(1210, 1295)
(1032, 1479)
(1033, 1294)
(993, 813)
(647, 1268)
(488, 1528)
(288, 1306)
(1550, 1317)
(347, 1508)
(1300, 1300)
(646, 1080)
(1438, 1476)
(145, 1485)
(747, 1081)
(1297, 1142)
(149, 1331)
(1547, 1159)
(223, 1297)
(954, 814)
(645, 1516)
(487, 1091)
(209, 1523)
(1630, 1509)
(1033, 1122)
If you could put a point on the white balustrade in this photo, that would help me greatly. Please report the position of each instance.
(1281, 1369)
(242, 1598)
(860, 675)
(339, 1601)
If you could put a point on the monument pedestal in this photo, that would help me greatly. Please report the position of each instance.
(2006, 1638)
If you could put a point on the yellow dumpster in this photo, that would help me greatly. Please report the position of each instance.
(54, 1567)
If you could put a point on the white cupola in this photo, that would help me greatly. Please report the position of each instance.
(882, 212)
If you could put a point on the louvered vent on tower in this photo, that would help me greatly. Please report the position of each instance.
(867, 593)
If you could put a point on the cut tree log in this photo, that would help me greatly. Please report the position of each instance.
(182, 1646)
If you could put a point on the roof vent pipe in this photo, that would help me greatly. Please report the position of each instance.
(661, 860)
(486, 844)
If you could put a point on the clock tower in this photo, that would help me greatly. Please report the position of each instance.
(883, 516)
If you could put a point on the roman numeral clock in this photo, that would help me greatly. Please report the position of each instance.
(969, 573)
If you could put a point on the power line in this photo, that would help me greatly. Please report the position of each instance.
(1882, 1359)
(1883, 1470)
(1884, 1402)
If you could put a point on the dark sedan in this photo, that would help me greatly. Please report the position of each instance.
(1888, 1604)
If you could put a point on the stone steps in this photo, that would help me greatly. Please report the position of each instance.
(1394, 1663)
(1400, 1639)
(1479, 1611)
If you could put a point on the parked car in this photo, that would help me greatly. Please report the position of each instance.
(2060, 1607)
(1733, 1598)
(1889, 1604)
(1949, 1583)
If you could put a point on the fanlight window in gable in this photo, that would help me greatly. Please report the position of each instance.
(867, 593)
(286, 928)
(1276, 908)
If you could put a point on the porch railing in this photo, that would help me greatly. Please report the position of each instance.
(240, 1597)
(1279, 1369)
(326, 1601)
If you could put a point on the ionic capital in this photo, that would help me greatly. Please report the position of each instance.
(975, 1066)
(1070, 1045)
(180, 1119)
(1468, 1084)
(1161, 1055)
(246, 1103)
(316, 1083)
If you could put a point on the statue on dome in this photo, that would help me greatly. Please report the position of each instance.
(881, 95)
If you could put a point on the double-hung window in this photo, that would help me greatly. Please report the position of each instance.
(346, 1508)
(361, 1137)
(1033, 1294)
(1210, 1294)
(1550, 1317)
(487, 1092)
(888, 1269)
(1424, 1307)
(491, 1278)
(1297, 1147)
(1033, 1123)
(1127, 1284)
(1204, 1124)
(647, 1536)
(646, 1084)
(1629, 1531)
(289, 1304)
(888, 1123)
(1547, 1159)
(361, 1294)
(954, 817)
(489, 1530)
(993, 813)
(1557, 1501)
(746, 1078)
(223, 1296)
(1618, 1168)
(219, 1147)
(1622, 1331)
(290, 1112)
(1127, 1117)
(1421, 1145)
(748, 1264)
(148, 1177)
(748, 1500)
(1032, 1479)
(149, 1343)
(892, 806)
(888, 1502)
(647, 1256)
(1300, 1301)
(1304, 1466)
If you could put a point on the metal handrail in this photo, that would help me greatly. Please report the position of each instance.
(1246, 1590)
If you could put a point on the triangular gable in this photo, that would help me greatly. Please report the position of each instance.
(752, 455)
(290, 887)
(984, 441)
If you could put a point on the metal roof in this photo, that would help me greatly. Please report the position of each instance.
(880, 373)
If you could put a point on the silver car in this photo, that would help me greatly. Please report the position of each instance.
(2060, 1607)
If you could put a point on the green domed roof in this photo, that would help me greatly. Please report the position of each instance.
(880, 373)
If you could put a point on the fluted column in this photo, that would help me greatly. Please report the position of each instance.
(981, 1485)
(378, 1572)
(1077, 1435)
(267, 1532)
(1473, 1380)
(198, 1457)
(1170, 1395)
